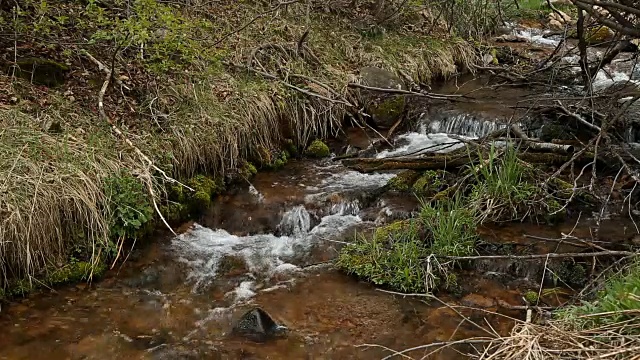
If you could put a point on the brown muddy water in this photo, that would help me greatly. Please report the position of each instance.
(269, 244)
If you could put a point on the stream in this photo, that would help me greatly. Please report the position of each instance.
(269, 245)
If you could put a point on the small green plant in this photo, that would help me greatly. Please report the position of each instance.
(129, 204)
(502, 191)
(452, 226)
(391, 257)
(616, 302)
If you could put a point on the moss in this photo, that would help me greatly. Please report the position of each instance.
(291, 148)
(317, 149)
(388, 110)
(429, 183)
(531, 297)
(396, 228)
(403, 181)
(175, 212)
(75, 272)
(204, 188)
(247, 170)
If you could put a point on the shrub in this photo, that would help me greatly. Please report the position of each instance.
(129, 205)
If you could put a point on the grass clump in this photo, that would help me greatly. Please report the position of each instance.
(452, 226)
(402, 255)
(317, 149)
(392, 257)
(503, 190)
(618, 301)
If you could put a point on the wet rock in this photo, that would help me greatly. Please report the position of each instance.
(385, 109)
(403, 181)
(555, 25)
(635, 73)
(510, 38)
(257, 325)
(42, 71)
(478, 301)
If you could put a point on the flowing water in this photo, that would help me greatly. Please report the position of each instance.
(269, 245)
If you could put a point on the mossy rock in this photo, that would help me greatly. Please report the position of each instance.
(390, 231)
(429, 183)
(598, 34)
(317, 149)
(403, 181)
(385, 109)
(42, 71)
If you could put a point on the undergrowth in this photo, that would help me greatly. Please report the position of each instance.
(498, 187)
(616, 302)
(403, 255)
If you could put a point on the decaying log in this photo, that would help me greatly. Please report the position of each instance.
(443, 161)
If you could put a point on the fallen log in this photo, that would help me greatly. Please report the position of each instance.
(443, 161)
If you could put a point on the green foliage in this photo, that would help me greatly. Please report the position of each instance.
(531, 297)
(167, 37)
(397, 255)
(502, 190)
(317, 149)
(452, 225)
(403, 181)
(621, 293)
(392, 257)
(129, 204)
(429, 183)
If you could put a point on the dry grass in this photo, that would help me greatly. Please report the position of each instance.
(555, 341)
(52, 193)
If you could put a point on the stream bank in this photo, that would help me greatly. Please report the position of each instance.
(269, 244)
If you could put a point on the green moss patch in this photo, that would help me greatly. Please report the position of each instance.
(317, 149)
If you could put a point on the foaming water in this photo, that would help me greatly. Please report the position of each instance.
(434, 135)
(535, 36)
(265, 255)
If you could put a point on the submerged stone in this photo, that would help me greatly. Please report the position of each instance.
(257, 325)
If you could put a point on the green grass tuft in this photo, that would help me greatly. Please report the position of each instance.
(619, 300)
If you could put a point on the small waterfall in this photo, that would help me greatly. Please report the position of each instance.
(461, 124)
(346, 208)
(295, 222)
